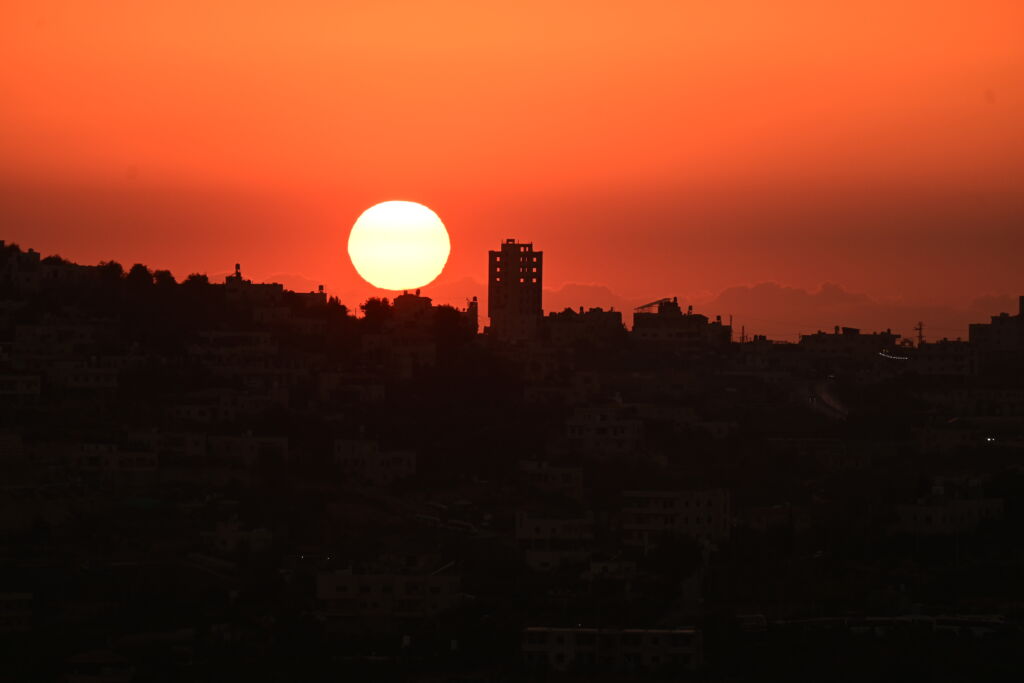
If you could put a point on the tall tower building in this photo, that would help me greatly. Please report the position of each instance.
(514, 282)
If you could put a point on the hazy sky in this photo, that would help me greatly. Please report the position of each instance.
(654, 148)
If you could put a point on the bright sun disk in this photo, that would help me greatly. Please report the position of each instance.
(399, 245)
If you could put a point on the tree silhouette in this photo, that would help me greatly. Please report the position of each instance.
(110, 271)
(164, 278)
(376, 312)
(139, 276)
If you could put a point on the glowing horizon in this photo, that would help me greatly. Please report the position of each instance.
(700, 146)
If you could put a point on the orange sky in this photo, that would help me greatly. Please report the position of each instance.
(654, 148)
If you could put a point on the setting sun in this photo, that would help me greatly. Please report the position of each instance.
(399, 245)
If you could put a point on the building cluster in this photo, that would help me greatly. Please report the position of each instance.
(204, 477)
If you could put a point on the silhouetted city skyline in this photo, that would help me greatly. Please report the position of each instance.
(202, 477)
(466, 342)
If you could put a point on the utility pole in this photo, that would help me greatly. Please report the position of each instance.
(920, 333)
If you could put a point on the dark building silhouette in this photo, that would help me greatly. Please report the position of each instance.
(238, 289)
(663, 323)
(612, 649)
(999, 344)
(514, 286)
(594, 325)
(946, 357)
(848, 343)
